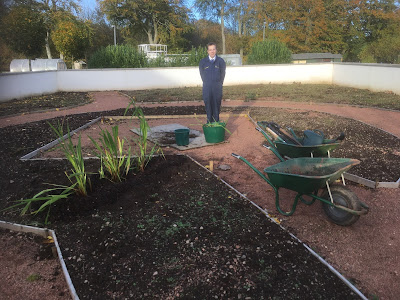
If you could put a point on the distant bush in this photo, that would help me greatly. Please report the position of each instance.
(119, 56)
(195, 55)
(269, 52)
(191, 58)
(125, 56)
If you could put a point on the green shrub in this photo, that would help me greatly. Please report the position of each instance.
(126, 56)
(120, 56)
(191, 58)
(269, 52)
(195, 55)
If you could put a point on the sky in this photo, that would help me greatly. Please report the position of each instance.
(88, 4)
(91, 5)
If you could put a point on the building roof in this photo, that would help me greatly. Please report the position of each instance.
(315, 55)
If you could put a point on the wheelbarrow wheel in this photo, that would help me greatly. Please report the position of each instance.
(343, 196)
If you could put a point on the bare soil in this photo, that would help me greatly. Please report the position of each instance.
(366, 253)
(28, 269)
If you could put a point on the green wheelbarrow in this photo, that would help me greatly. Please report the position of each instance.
(293, 150)
(307, 176)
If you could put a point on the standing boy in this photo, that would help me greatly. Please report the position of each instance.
(212, 72)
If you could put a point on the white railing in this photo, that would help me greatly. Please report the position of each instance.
(375, 77)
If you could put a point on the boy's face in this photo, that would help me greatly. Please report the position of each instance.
(212, 51)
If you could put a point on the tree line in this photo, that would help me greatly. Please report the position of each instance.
(360, 30)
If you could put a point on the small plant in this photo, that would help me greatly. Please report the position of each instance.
(250, 96)
(34, 277)
(217, 124)
(111, 153)
(78, 176)
(45, 196)
(143, 155)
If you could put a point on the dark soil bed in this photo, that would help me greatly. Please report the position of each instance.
(175, 231)
(58, 100)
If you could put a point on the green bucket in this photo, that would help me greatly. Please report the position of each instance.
(182, 137)
(214, 134)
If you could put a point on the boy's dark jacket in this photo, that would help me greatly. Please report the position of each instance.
(212, 72)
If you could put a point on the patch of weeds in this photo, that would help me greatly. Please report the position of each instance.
(250, 96)
(175, 228)
(171, 280)
(266, 274)
(34, 277)
(153, 222)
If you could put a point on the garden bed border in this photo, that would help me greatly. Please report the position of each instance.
(357, 179)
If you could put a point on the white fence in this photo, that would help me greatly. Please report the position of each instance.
(375, 77)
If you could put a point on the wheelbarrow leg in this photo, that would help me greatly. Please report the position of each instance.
(278, 207)
(274, 187)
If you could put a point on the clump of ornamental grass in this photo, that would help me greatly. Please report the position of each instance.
(77, 176)
(145, 153)
(114, 162)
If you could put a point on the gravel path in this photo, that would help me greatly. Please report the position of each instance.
(387, 120)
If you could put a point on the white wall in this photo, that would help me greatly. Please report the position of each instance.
(262, 74)
(127, 79)
(20, 85)
(135, 79)
(375, 77)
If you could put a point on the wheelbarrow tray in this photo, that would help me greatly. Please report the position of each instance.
(293, 151)
(307, 175)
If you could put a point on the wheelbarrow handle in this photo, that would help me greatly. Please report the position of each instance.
(236, 155)
(275, 151)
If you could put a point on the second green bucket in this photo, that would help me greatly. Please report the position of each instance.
(214, 133)
(182, 136)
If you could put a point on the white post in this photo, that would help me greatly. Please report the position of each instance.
(115, 36)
